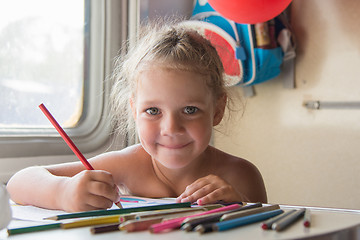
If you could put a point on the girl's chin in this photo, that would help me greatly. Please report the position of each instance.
(173, 163)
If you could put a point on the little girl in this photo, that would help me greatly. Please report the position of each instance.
(172, 85)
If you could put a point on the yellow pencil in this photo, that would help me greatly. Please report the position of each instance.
(92, 221)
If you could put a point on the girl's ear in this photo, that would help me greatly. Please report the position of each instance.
(220, 109)
(132, 106)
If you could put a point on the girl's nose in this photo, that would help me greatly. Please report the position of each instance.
(171, 125)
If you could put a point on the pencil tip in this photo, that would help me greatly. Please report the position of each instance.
(186, 227)
(307, 224)
(264, 226)
(119, 205)
(200, 229)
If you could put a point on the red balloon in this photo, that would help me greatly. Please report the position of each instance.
(249, 11)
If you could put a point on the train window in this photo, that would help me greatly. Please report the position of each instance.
(52, 52)
(42, 55)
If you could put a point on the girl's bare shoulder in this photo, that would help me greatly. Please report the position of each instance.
(227, 160)
(242, 174)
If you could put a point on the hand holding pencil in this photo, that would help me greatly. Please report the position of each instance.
(88, 190)
(90, 183)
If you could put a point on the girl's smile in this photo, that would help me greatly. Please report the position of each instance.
(174, 147)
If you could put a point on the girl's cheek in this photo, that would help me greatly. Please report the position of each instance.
(146, 131)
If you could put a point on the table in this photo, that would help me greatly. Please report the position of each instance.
(327, 223)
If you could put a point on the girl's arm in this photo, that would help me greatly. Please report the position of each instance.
(36, 186)
(64, 186)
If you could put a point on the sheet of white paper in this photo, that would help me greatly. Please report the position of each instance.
(133, 201)
(31, 213)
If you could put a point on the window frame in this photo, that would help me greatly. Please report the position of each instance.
(93, 129)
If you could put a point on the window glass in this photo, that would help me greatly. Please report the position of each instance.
(41, 61)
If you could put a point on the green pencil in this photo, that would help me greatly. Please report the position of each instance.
(118, 211)
(36, 228)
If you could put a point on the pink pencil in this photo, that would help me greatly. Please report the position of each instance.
(176, 223)
(68, 141)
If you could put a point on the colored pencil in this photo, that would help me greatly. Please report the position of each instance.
(203, 217)
(164, 212)
(105, 228)
(190, 224)
(204, 227)
(239, 214)
(237, 222)
(13, 231)
(288, 220)
(212, 206)
(108, 212)
(66, 138)
(194, 222)
(173, 216)
(307, 218)
(268, 224)
(68, 141)
(176, 223)
(127, 217)
(247, 207)
(91, 222)
(229, 203)
(250, 206)
(170, 213)
(139, 225)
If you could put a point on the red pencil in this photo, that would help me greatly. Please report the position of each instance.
(66, 138)
(68, 141)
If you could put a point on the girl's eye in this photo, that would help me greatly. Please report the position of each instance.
(190, 109)
(152, 111)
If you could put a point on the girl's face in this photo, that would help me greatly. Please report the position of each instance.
(174, 112)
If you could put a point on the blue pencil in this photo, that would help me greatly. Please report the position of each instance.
(233, 223)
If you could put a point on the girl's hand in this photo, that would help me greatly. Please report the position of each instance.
(89, 190)
(209, 189)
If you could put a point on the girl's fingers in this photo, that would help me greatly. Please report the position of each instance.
(197, 193)
(209, 189)
(191, 189)
(202, 182)
(100, 187)
(214, 196)
(104, 190)
(98, 202)
(101, 176)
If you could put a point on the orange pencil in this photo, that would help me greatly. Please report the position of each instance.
(68, 141)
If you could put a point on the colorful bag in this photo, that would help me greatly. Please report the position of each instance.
(248, 57)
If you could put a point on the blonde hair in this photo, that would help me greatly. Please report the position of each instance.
(174, 46)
